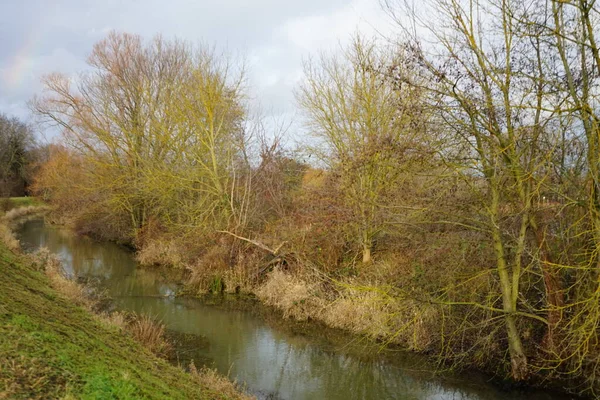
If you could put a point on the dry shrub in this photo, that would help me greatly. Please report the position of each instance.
(20, 212)
(209, 271)
(313, 178)
(210, 378)
(116, 319)
(151, 334)
(294, 296)
(371, 311)
(7, 237)
(160, 252)
(365, 310)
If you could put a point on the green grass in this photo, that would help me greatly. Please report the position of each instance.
(8, 203)
(25, 201)
(50, 348)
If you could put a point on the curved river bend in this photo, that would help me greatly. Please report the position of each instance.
(273, 360)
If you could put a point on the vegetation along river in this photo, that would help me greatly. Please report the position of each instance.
(275, 359)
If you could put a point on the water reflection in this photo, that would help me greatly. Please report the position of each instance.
(274, 363)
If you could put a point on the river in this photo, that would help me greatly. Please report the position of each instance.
(274, 359)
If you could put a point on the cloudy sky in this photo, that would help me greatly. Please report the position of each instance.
(274, 36)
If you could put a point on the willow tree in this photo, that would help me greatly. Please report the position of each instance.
(486, 87)
(151, 120)
(357, 118)
(572, 30)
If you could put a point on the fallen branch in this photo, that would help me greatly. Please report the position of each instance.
(262, 246)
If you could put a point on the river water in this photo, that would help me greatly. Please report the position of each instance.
(274, 360)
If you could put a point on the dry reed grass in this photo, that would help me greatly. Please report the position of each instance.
(7, 237)
(360, 309)
(295, 297)
(116, 319)
(15, 214)
(151, 334)
(52, 267)
(208, 273)
(210, 378)
(160, 252)
(144, 329)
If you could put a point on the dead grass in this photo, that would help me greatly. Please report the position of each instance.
(295, 297)
(371, 311)
(211, 378)
(52, 267)
(16, 214)
(18, 374)
(7, 237)
(144, 329)
(160, 252)
(116, 319)
(150, 333)
(10, 219)
(360, 309)
(208, 273)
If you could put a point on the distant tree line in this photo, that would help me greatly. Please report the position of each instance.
(17, 154)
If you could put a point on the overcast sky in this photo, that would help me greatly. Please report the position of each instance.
(274, 36)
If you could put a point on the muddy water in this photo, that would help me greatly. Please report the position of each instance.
(275, 360)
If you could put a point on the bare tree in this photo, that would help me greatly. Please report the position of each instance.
(16, 143)
(356, 114)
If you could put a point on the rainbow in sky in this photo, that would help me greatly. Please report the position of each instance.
(20, 65)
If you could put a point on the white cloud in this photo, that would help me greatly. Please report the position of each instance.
(323, 32)
(275, 35)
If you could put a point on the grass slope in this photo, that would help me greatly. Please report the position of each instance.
(50, 348)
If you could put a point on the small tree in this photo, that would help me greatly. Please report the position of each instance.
(358, 116)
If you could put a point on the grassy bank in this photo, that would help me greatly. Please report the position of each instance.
(51, 348)
(16, 202)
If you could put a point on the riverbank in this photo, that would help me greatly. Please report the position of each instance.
(358, 303)
(53, 348)
(275, 357)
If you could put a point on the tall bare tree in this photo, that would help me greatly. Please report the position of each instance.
(160, 127)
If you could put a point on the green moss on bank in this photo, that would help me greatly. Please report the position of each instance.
(50, 348)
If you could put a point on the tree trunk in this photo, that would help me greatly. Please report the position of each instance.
(518, 360)
(366, 259)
